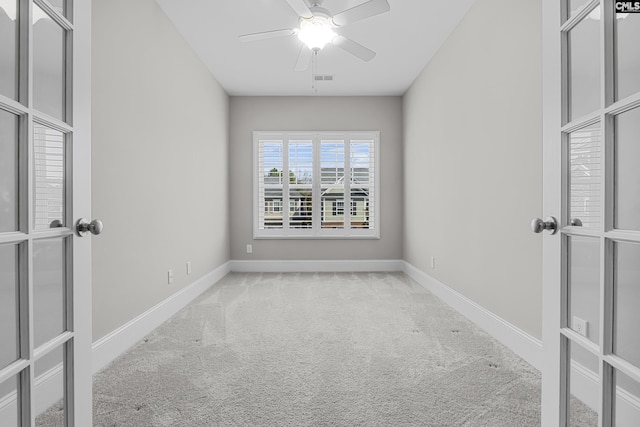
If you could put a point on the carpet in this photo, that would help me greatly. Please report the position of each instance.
(317, 349)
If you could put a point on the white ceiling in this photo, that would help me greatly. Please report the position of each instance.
(404, 39)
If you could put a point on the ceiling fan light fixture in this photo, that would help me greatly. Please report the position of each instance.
(316, 32)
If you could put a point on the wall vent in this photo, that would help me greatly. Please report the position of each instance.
(324, 77)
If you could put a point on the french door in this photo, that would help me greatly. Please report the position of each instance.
(591, 330)
(45, 287)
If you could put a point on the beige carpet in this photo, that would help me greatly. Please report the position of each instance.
(362, 349)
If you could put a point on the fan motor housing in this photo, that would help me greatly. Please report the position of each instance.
(321, 11)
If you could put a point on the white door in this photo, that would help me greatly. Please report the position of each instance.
(45, 157)
(591, 330)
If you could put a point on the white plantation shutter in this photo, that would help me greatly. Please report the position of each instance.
(586, 176)
(316, 185)
(49, 177)
(362, 177)
(271, 165)
(300, 183)
(332, 167)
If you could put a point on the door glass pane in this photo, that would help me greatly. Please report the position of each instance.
(9, 49)
(332, 183)
(584, 66)
(49, 177)
(627, 54)
(582, 385)
(49, 285)
(9, 285)
(584, 285)
(48, 65)
(59, 6)
(573, 6)
(8, 171)
(626, 341)
(626, 401)
(585, 177)
(9, 402)
(300, 181)
(627, 184)
(49, 407)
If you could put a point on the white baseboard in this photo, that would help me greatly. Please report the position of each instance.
(523, 344)
(585, 385)
(118, 341)
(520, 342)
(48, 385)
(627, 408)
(300, 266)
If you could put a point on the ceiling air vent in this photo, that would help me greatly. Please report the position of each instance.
(324, 77)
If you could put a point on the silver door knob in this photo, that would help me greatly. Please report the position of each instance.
(550, 224)
(576, 222)
(84, 227)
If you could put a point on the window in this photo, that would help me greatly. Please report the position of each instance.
(316, 174)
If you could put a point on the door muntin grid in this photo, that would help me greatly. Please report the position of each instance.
(618, 357)
(41, 256)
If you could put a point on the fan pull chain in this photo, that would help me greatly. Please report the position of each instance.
(314, 70)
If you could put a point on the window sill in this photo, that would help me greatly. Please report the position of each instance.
(315, 237)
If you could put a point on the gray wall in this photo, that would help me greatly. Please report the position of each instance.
(315, 114)
(472, 161)
(160, 174)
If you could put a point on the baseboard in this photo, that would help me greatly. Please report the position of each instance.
(585, 386)
(48, 387)
(117, 342)
(520, 342)
(523, 344)
(299, 266)
(48, 390)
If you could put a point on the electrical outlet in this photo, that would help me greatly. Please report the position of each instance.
(581, 326)
(188, 267)
(433, 262)
(170, 276)
(249, 249)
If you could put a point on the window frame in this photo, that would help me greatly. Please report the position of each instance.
(316, 231)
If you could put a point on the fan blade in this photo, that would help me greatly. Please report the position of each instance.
(354, 48)
(360, 12)
(266, 35)
(301, 8)
(304, 58)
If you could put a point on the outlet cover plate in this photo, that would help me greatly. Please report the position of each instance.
(581, 326)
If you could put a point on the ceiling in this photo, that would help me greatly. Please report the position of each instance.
(405, 39)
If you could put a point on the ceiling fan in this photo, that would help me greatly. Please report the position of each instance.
(317, 25)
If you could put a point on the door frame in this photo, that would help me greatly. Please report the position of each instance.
(551, 204)
(81, 377)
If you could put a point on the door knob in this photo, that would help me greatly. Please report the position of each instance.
(550, 224)
(576, 222)
(84, 227)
